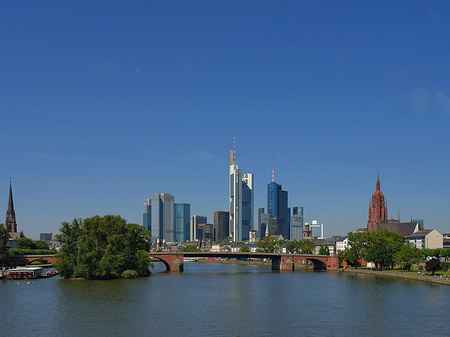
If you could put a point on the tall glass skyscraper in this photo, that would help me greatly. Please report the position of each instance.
(297, 223)
(241, 201)
(162, 212)
(182, 218)
(277, 207)
(147, 216)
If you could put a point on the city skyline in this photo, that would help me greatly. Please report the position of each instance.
(100, 115)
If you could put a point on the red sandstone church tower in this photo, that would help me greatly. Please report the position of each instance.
(377, 208)
(10, 224)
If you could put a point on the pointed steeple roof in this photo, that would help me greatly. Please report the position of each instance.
(10, 201)
(378, 182)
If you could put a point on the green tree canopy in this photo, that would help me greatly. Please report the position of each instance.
(269, 244)
(433, 265)
(324, 250)
(25, 243)
(407, 256)
(245, 249)
(382, 247)
(102, 248)
(41, 245)
(4, 236)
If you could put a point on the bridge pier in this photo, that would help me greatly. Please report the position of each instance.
(172, 262)
(283, 263)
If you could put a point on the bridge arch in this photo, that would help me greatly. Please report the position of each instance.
(318, 264)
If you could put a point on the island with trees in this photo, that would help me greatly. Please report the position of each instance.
(103, 248)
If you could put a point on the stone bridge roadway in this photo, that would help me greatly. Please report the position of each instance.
(174, 261)
(284, 262)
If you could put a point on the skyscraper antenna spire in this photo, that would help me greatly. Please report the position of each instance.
(273, 174)
(234, 148)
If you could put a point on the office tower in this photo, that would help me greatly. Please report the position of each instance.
(162, 221)
(47, 237)
(247, 205)
(260, 213)
(241, 201)
(297, 223)
(265, 225)
(277, 207)
(195, 221)
(221, 226)
(147, 216)
(182, 217)
(316, 229)
(10, 223)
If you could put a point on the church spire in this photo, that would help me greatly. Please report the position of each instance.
(10, 223)
(378, 182)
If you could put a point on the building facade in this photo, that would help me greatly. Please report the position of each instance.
(221, 227)
(241, 193)
(297, 223)
(182, 222)
(162, 217)
(277, 207)
(195, 221)
(316, 229)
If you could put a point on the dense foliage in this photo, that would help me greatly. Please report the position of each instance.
(103, 248)
(269, 244)
(190, 249)
(304, 246)
(407, 256)
(380, 247)
(433, 265)
(324, 250)
(4, 236)
(20, 251)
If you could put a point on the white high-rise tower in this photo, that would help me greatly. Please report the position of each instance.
(241, 200)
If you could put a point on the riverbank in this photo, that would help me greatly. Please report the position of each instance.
(399, 274)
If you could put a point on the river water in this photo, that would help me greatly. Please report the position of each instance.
(226, 300)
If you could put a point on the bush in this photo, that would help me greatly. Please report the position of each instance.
(17, 251)
(130, 274)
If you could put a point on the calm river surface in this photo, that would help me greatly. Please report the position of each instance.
(226, 300)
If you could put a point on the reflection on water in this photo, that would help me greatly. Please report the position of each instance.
(226, 300)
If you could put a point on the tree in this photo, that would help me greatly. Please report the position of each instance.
(294, 247)
(103, 248)
(433, 265)
(269, 244)
(245, 249)
(25, 243)
(41, 245)
(4, 236)
(357, 245)
(382, 246)
(407, 256)
(324, 250)
(307, 246)
(190, 249)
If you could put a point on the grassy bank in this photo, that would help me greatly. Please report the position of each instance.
(400, 274)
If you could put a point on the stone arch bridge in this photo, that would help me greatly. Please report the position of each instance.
(284, 262)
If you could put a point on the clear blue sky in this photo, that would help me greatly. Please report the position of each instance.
(104, 103)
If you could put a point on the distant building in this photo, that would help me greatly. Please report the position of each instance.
(195, 221)
(147, 216)
(182, 222)
(241, 201)
(297, 223)
(306, 231)
(162, 217)
(316, 229)
(427, 238)
(221, 225)
(402, 228)
(47, 237)
(277, 207)
(205, 233)
(10, 223)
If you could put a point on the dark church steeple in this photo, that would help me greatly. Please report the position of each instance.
(10, 224)
(377, 207)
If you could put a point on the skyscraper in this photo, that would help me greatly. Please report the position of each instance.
(10, 223)
(277, 207)
(316, 229)
(221, 226)
(147, 216)
(162, 216)
(195, 221)
(297, 223)
(241, 201)
(182, 218)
